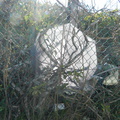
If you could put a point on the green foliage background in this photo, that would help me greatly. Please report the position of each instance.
(19, 26)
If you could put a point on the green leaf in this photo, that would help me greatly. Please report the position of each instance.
(26, 17)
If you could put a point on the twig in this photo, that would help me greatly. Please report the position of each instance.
(108, 70)
(73, 42)
(115, 100)
(79, 54)
(44, 49)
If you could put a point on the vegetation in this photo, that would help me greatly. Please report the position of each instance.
(20, 96)
(106, 33)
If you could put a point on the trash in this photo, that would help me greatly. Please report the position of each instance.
(59, 106)
(109, 74)
(112, 79)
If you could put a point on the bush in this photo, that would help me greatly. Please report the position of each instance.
(20, 95)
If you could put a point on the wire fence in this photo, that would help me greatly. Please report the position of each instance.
(59, 61)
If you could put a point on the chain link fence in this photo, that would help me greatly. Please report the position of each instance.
(59, 61)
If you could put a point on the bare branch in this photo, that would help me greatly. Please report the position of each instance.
(71, 61)
(44, 49)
